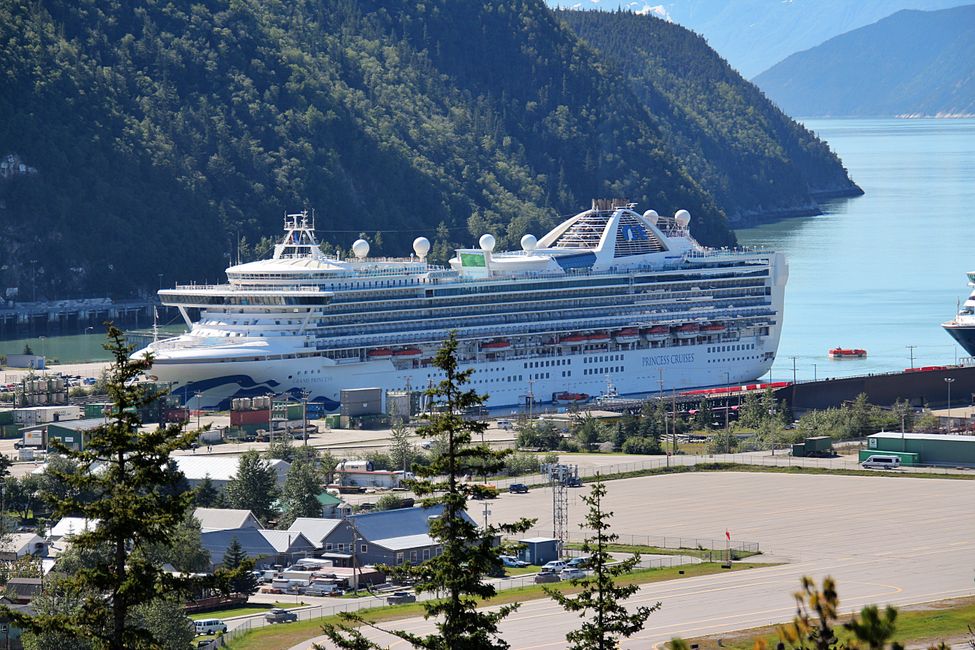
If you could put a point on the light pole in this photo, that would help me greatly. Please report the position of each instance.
(948, 381)
(793, 369)
(815, 377)
(199, 400)
(911, 348)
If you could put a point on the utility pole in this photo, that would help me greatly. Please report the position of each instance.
(949, 380)
(304, 417)
(199, 400)
(793, 369)
(33, 281)
(911, 348)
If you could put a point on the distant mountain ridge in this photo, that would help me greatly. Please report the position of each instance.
(913, 63)
(163, 134)
(757, 162)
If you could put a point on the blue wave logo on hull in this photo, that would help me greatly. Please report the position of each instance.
(247, 387)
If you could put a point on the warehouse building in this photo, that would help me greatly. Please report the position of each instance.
(922, 448)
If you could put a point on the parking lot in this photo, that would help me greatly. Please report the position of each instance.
(884, 539)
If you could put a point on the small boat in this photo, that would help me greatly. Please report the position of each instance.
(569, 398)
(407, 352)
(495, 345)
(688, 331)
(627, 335)
(847, 353)
(657, 333)
(574, 339)
(599, 337)
(713, 328)
(380, 353)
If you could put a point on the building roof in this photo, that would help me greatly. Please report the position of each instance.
(287, 541)
(72, 525)
(225, 519)
(327, 499)
(405, 542)
(316, 529)
(216, 542)
(78, 425)
(401, 522)
(945, 437)
(20, 543)
(220, 468)
(537, 540)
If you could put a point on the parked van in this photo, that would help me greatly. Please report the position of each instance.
(209, 626)
(881, 462)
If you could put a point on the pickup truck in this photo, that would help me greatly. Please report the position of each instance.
(400, 597)
(278, 615)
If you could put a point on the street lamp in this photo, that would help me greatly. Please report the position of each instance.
(948, 381)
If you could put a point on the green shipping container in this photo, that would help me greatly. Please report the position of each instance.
(6, 417)
(96, 410)
(333, 421)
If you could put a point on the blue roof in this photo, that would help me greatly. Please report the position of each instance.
(402, 522)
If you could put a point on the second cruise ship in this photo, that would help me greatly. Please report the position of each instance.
(608, 297)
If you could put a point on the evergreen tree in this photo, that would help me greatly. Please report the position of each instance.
(254, 487)
(402, 451)
(206, 495)
(458, 621)
(168, 623)
(302, 486)
(137, 503)
(601, 601)
(235, 575)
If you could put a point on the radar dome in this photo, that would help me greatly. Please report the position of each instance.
(651, 216)
(486, 242)
(683, 217)
(360, 248)
(528, 243)
(421, 246)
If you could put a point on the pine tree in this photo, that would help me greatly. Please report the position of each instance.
(459, 623)
(137, 502)
(254, 487)
(235, 575)
(301, 489)
(206, 495)
(601, 600)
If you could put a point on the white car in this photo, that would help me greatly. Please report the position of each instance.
(554, 565)
(570, 573)
(209, 626)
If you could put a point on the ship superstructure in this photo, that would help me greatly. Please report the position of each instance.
(962, 326)
(609, 295)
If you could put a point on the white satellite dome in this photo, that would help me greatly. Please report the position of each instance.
(421, 246)
(486, 242)
(360, 248)
(683, 217)
(651, 216)
(529, 243)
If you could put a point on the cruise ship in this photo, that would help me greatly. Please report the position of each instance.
(962, 327)
(608, 297)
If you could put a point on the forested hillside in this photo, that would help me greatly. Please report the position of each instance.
(754, 160)
(911, 63)
(161, 132)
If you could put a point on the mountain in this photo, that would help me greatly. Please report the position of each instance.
(754, 35)
(167, 139)
(911, 63)
(755, 161)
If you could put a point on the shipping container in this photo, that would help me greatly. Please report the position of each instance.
(361, 401)
(240, 418)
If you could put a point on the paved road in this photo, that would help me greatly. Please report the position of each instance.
(885, 540)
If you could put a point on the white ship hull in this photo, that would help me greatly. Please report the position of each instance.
(506, 382)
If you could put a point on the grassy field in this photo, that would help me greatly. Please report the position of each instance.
(920, 625)
(284, 636)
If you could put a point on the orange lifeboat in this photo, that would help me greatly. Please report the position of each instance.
(380, 353)
(599, 337)
(574, 339)
(496, 345)
(657, 333)
(688, 331)
(407, 352)
(569, 398)
(847, 353)
(713, 328)
(627, 335)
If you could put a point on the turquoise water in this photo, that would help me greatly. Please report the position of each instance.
(72, 348)
(884, 270)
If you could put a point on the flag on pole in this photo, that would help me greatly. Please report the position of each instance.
(727, 534)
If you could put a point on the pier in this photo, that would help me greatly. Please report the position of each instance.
(70, 316)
